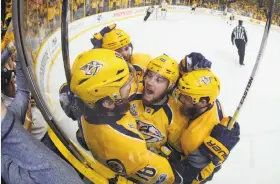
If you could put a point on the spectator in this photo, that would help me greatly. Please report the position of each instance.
(23, 158)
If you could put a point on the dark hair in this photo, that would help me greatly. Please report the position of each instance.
(240, 22)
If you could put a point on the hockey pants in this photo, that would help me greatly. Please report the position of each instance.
(147, 16)
(240, 44)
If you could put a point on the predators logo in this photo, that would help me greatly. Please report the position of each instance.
(205, 80)
(150, 132)
(133, 110)
(92, 68)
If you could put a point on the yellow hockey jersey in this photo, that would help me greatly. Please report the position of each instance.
(201, 127)
(159, 123)
(116, 143)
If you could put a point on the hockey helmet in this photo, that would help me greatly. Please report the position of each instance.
(101, 73)
(198, 84)
(166, 67)
(115, 39)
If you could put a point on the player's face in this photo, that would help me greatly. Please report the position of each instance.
(127, 92)
(155, 87)
(187, 101)
(125, 52)
(189, 108)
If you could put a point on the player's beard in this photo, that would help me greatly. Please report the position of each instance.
(122, 108)
(99, 110)
(154, 100)
(127, 58)
(119, 109)
(190, 112)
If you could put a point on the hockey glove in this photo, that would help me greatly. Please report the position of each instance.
(217, 146)
(68, 102)
(206, 174)
(107, 29)
(194, 61)
(97, 37)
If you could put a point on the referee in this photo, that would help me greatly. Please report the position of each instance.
(150, 10)
(239, 36)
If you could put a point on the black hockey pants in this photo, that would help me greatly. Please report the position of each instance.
(147, 16)
(240, 44)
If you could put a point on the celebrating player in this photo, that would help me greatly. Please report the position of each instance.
(113, 39)
(157, 115)
(207, 141)
(103, 82)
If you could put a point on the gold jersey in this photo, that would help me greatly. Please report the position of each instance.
(201, 127)
(116, 142)
(159, 123)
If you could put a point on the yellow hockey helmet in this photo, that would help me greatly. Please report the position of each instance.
(140, 62)
(115, 39)
(198, 84)
(166, 67)
(99, 73)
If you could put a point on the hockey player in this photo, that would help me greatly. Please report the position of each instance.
(157, 115)
(113, 39)
(118, 40)
(240, 38)
(194, 5)
(103, 82)
(164, 6)
(231, 18)
(150, 10)
(225, 11)
(207, 141)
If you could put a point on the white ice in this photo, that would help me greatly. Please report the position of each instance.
(256, 159)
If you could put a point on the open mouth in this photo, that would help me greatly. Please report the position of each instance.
(149, 92)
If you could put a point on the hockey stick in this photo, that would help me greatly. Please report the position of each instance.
(67, 67)
(259, 57)
(64, 41)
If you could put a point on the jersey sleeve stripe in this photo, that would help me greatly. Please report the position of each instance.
(168, 113)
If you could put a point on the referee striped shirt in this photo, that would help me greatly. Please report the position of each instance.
(240, 33)
(150, 9)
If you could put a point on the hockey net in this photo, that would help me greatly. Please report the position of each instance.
(156, 15)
